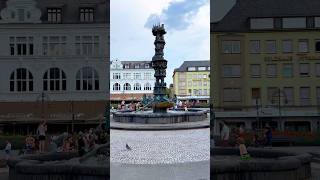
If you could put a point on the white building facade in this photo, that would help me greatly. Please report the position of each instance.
(129, 80)
(54, 51)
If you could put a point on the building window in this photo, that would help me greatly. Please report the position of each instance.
(54, 15)
(126, 66)
(202, 68)
(86, 14)
(127, 87)
(317, 46)
(287, 70)
(21, 80)
(136, 75)
(147, 87)
(303, 46)
(254, 46)
(317, 69)
(289, 95)
(287, 46)
(147, 76)
(137, 66)
(255, 93)
(271, 93)
(116, 87)
(231, 71)
(21, 15)
(298, 22)
(200, 83)
(255, 70)
(87, 45)
(146, 66)
(21, 46)
(318, 95)
(261, 23)
(271, 70)
(194, 83)
(137, 87)
(54, 80)
(231, 47)
(205, 83)
(305, 96)
(317, 22)
(195, 92)
(182, 84)
(304, 69)
(191, 68)
(232, 95)
(116, 75)
(54, 45)
(271, 47)
(87, 79)
(205, 92)
(126, 75)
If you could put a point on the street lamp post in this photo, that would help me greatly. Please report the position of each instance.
(73, 116)
(257, 117)
(280, 94)
(43, 96)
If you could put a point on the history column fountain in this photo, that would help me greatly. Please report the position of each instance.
(159, 116)
(159, 64)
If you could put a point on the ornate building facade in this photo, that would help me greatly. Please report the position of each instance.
(129, 80)
(54, 58)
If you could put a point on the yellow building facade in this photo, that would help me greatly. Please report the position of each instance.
(266, 70)
(191, 81)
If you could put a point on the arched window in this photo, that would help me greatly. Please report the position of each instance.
(116, 87)
(54, 80)
(21, 80)
(127, 87)
(147, 87)
(87, 79)
(137, 87)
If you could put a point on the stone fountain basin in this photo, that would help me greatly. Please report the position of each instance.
(62, 166)
(265, 164)
(148, 117)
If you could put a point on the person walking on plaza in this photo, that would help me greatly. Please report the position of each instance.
(268, 136)
(42, 129)
(7, 149)
(225, 133)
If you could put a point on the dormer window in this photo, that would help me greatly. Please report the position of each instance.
(297, 22)
(20, 11)
(54, 15)
(261, 23)
(126, 66)
(137, 66)
(86, 14)
(147, 66)
(21, 15)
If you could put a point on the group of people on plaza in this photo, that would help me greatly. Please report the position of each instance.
(178, 104)
(80, 142)
(264, 138)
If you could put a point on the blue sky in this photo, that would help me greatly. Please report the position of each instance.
(187, 24)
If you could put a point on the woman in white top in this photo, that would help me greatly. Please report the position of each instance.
(42, 129)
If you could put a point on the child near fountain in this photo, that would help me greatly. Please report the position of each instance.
(244, 155)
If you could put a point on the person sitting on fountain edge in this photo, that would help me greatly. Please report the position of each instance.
(244, 155)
